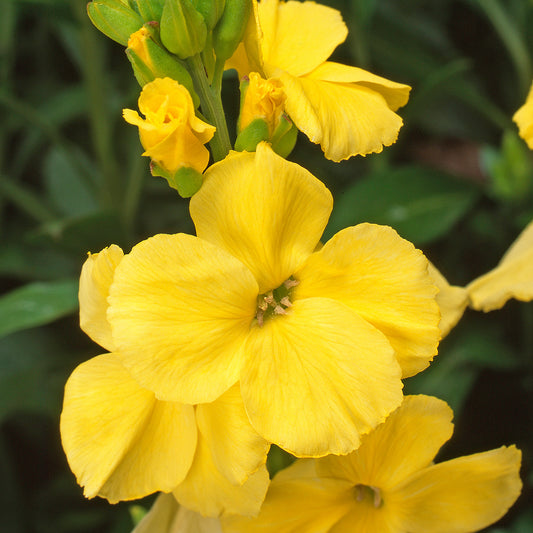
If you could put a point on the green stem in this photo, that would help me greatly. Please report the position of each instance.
(211, 105)
(511, 38)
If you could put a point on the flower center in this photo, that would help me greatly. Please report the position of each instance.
(275, 302)
(363, 492)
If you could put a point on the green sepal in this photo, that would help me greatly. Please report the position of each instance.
(211, 10)
(164, 65)
(252, 135)
(229, 31)
(186, 180)
(183, 29)
(143, 74)
(150, 10)
(114, 19)
(284, 138)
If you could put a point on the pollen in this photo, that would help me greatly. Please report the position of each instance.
(275, 302)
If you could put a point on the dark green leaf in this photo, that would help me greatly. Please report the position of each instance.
(420, 203)
(36, 304)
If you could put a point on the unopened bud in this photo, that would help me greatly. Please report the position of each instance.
(183, 29)
(150, 10)
(229, 31)
(114, 19)
(211, 10)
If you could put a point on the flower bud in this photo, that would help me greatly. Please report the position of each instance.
(171, 134)
(114, 19)
(183, 29)
(229, 31)
(150, 10)
(261, 117)
(151, 61)
(211, 10)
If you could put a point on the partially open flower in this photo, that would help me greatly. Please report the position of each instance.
(171, 134)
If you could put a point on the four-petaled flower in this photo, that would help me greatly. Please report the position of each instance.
(318, 339)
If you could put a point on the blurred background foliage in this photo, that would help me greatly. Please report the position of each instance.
(458, 183)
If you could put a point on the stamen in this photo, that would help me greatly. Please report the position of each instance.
(377, 496)
(359, 495)
(278, 310)
(290, 283)
(286, 301)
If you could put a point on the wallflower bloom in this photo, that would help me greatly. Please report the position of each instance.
(122, 443)
(171, 134)
(318, 341)
(390, 484)
(524, 119)
(512, 278)
(347, 110)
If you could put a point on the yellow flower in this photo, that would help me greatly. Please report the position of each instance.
(524, 119)
(263, 99)
(512, 278)
(167, 516)
(318, 341)
(347, 110)
(390, 484)
(122, 443)
(171, 134)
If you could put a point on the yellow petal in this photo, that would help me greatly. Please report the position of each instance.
(524, 119)
(512, 278)
(317, 378)
(177, 149)
(120, 442)
(236, 448)
(180, 309)
(406, 442)
(206, 491)
(298, 36)
(96, 278)
(452, 301)
(395, 94)
(267, 212)
(346, 119)
(385, 280)
(365, 517)
(461, 495)
(167, 516)
(297, 501)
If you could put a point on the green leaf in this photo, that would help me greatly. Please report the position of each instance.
(420, 203)
(82, 234)
(36, 304)
(461, 358)
(66, 186)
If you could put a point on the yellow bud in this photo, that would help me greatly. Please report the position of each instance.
(263, 99)
(171, 134)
